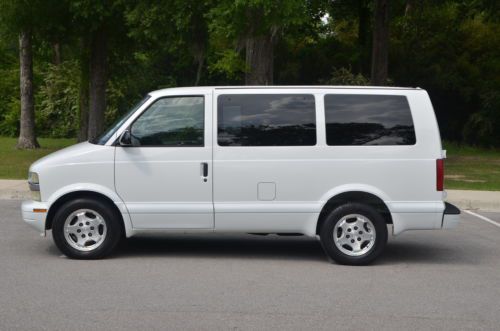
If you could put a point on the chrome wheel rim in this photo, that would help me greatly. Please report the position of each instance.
(354, 235)
(85, 230)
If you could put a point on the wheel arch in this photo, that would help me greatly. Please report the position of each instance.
(358, 196)
(61, 200)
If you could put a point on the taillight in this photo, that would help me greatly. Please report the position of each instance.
(439, 174)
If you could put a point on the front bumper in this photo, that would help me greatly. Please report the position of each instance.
(33, 215)
(451, 216)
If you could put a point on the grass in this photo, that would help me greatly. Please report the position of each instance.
(471, 168)
(14, 163)
(466, 167)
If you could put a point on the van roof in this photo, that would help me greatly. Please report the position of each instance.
(205, 88)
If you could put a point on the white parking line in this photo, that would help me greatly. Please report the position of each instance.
(486, 219)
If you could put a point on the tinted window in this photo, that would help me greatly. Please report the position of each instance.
(173, 121)
(266, 120)
(368, 120)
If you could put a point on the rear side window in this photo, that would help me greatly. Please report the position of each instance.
(266, 120)
(353, 119)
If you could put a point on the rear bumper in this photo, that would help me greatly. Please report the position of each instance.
(31, 211)
(451, 216)
(423, 216)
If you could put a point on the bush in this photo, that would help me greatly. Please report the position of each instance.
(344, 76)
(482, 128)
(9, 94)
(57, 101)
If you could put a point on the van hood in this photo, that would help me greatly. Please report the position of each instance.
(72, 154)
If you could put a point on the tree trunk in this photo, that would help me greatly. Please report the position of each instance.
(408, 7)
(199, 37)
(83, 107)
(363, 26)
(56, 56)
(27, 138)
(198, 50)
(98, 81)
(259, 60)
(200, 61)
(380, 43)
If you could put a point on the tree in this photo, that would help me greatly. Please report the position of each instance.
(198, 32)
(363, 33)
(95, 19)
(18, 18)
(114, 51)
(98, 80)
(380, 47)
(183, 43)
(357, 16)
(255, 25)
(29, 19)
(83, 104)
(259, 48)
(27, 138)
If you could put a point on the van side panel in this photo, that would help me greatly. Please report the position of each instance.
(305, 177)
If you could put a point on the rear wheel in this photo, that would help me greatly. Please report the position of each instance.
(354, 234)
(86, 229)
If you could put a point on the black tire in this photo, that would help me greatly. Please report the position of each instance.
(111, 218)
(335, 216)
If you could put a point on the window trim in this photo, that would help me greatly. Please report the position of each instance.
(216, 124)
(129, 127)
(358, 94)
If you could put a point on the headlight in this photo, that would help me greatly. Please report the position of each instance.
(33, 178)
(34, 184)
(35, 196)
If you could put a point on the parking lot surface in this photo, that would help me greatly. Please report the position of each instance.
(446, 279)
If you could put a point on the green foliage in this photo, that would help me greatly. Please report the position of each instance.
(57, 100)
(345, 76)
(18, 15)
(450, 48)
(9, 125)
(47, 18)
(231, 22)
(9, 92)
(482, 127)
(236, 18)
(228, 62)
(57, 106)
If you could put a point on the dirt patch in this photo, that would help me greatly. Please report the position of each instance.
(473, 180)
(454, 177)
(462, 178)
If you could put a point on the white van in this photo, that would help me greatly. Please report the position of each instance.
(338, 163)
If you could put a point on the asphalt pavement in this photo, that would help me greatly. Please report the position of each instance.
(446, 279)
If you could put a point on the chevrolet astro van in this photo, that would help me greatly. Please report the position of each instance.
(342, 164)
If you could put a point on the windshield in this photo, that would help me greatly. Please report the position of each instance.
(103, 138)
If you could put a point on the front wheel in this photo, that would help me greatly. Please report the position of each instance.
(86, 229)
(354, 234)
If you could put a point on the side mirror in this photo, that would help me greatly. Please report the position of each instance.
(125, 139)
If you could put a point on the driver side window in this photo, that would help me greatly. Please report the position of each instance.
(171, 121)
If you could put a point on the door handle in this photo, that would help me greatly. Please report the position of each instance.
(204, 169)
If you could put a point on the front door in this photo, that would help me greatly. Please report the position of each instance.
(164, 178)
